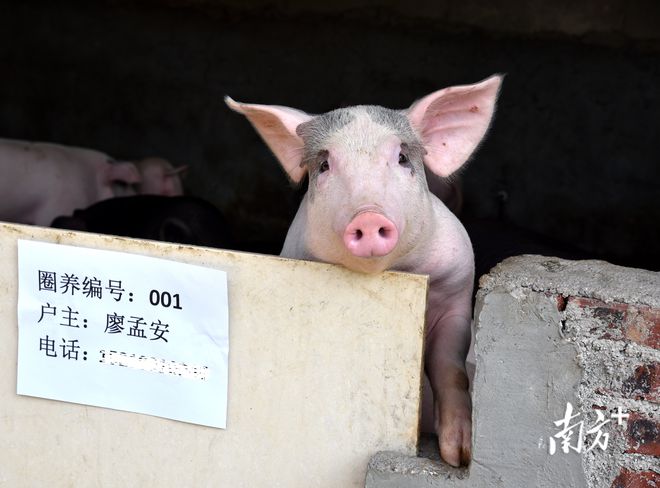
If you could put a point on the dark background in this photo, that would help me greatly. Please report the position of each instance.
(573, 154)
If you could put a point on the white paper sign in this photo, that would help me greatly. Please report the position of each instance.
(122, 331)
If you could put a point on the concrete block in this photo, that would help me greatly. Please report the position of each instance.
(324, 371)
(549, 332)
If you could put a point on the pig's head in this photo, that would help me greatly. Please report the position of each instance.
(159, 177)
(368, 196)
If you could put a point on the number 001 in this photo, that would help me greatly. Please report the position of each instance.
(164, 298)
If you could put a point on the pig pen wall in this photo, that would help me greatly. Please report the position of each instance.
(572, 154)
(549, 332)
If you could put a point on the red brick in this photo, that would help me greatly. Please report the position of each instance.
(644, 383)
(584, 302)
(643, 327)
(561, 303)
(643, 435)
(636, 479)
(623, 321)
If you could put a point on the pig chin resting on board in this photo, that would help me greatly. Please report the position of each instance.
(369, 208)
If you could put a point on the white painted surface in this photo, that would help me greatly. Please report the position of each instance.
(324, 371)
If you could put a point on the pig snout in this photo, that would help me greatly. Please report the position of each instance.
(370, 234)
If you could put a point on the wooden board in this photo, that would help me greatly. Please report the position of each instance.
(324, 371)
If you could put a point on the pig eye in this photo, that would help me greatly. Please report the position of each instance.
(403, 160)
(324, 167)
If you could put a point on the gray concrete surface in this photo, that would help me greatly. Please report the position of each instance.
(590, 278)
(534, 354)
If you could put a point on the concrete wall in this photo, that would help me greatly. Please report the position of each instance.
(551, 331)
(572, 154)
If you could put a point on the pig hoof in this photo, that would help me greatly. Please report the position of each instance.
(455, 448)
(454, 435)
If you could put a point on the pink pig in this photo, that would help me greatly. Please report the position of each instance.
(369, 208)
(41, 181)
(159, 177)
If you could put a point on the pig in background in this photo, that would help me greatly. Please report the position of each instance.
(41, 181)
(159, 177)
(369, 208)
(177, 219)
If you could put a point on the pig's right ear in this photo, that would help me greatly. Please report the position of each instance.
(453, 121)
(277, 127)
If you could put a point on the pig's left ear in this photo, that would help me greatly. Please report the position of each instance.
(277, 127)
(453, 121)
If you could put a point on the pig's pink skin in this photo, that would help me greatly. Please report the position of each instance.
(448, 190)
(355, 165)
(41, 181)
(370, 234)
(159, 177)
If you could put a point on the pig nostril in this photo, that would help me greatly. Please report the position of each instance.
(370, 234)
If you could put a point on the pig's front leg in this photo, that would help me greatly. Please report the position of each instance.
(447, 344)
